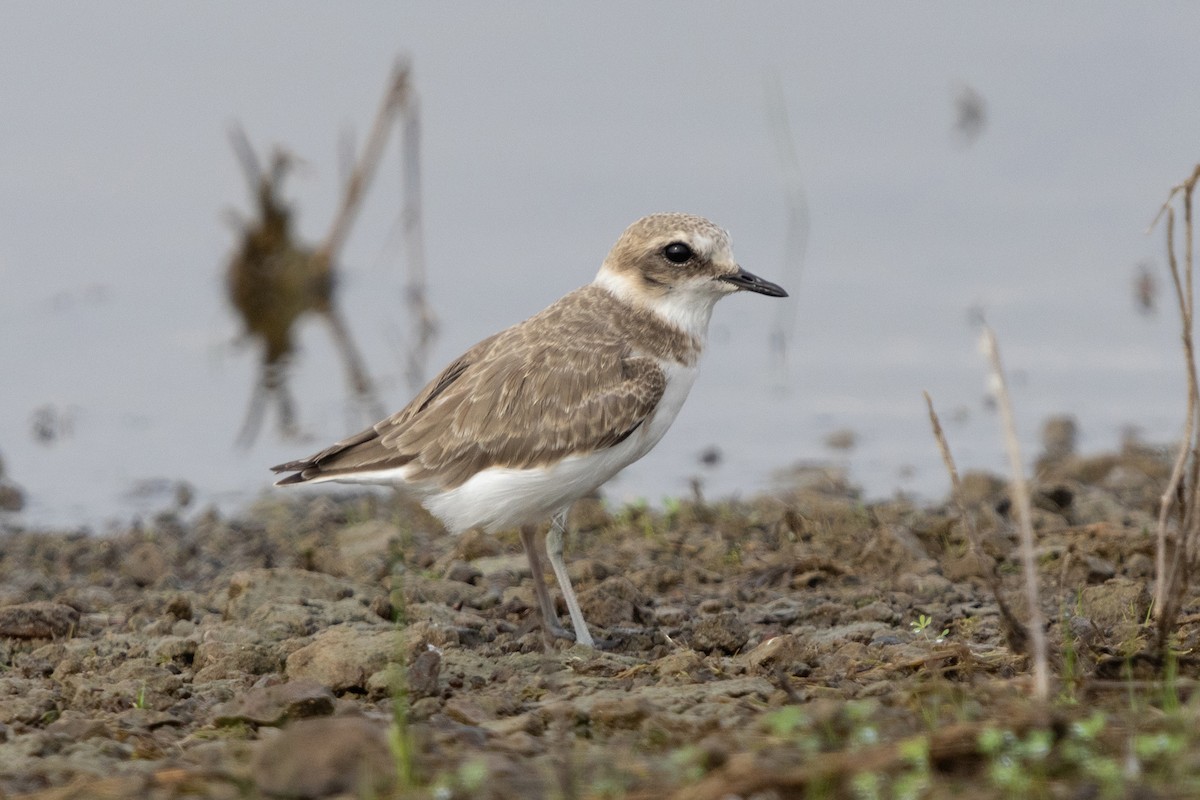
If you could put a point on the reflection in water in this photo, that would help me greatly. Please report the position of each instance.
(11, 496)
(273, 280)
(51, 423)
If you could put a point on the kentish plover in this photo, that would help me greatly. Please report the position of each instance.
(535, 417)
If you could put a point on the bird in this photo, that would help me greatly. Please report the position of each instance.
(531, 419)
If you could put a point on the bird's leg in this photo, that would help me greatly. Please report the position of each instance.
(554, 551)
(551, 629)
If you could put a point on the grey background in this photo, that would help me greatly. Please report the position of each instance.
(547, 129)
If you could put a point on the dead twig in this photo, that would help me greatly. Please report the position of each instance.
(273, 279)
(1172, 579)
(784, 322)
(423, 320)
(1015, 632)
(1036, 627)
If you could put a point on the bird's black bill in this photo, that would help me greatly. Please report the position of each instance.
(752, 283)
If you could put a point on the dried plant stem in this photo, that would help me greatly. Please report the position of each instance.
(364, 170)
(1018, 636)
(783, 324)
(1037, 633)
(424, 321)
(1172, 578)
(955, 483)
(1170, 492)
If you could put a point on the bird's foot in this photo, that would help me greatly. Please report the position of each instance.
(552, 630)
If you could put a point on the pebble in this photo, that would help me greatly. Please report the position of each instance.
(321, 757)
(38, 620)
(344, 657)
(274, 705)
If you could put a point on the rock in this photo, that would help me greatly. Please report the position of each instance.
(501, 566)
(177, 650)
(476, 544)
(87, 599)
(144, 564)
(1117, 607)
(217, 659)
(466, 711)
(927, 585)
(971, 564)
(778, 652)
(613, 603)
(26, 701)
(76, 727)
(274, 705)
(878, 611)
(180, 607)
(682, 667)
(316, 758)
(147, 719)
(1098, 569)
(38, 620)
(288, 619)
(462, 572)
(721, 633)
(252, 588)
(364, 549)
(670, 616)
(423, 674)
(344, 657)
(419, 681)
(623, 713)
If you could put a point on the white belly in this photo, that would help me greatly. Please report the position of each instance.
(499, 498)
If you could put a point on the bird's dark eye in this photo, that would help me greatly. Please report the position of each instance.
(678, 253)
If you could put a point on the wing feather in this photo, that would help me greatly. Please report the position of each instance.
(519, 399)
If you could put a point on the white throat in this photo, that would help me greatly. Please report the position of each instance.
(687, 307)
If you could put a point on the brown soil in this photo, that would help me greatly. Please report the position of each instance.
(805, 644)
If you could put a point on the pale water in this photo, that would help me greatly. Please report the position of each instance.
(547, 129)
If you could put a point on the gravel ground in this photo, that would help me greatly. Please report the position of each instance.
(803, 644)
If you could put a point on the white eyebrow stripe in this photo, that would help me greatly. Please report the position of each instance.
(703, 244)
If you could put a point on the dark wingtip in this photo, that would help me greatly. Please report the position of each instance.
(296, 467)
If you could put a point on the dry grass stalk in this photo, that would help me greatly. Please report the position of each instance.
(1020, 490)
(424, 322)
(273, 280)
(783, 324)
(1173, 574)
(1015, 631)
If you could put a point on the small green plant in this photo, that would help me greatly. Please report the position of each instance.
(921, 626)
(1027, 764)
(915, 781)
(1070, 664)
(688, 762)
(672, 508)
(1170, 685)
(140, 702)
(400, 737)
(861, 717)
(785, 721)
(467, 780)
(867, 786)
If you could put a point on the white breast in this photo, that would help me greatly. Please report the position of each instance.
(499, 498)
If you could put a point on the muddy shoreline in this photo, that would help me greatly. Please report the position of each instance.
(320, 646)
